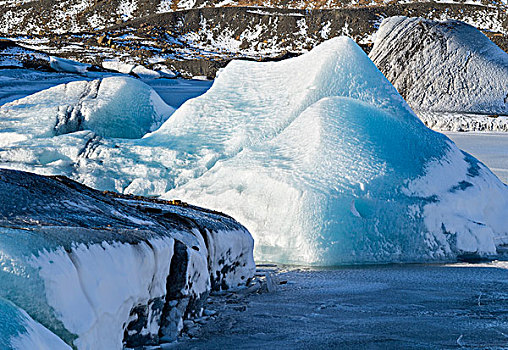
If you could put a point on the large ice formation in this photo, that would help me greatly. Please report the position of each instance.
(318, 156)
(99, 105)
(445, 66)
(102, 272)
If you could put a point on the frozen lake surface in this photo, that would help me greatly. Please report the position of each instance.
(18, 83)
(489, 147)
(369, 307)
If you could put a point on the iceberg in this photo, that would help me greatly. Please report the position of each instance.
(446, 66)
(98, 105)
(98, 271)
(318, 156)
(68, 66)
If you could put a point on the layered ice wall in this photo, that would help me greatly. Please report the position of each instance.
(445, 66)
(100, 272)
(318, 156)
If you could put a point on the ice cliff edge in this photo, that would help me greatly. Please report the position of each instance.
(97, 271)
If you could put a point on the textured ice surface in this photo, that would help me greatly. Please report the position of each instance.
(318, 156)
(446, 121)
(111, 107)
(442, 66)
(68, 66)
(81, 263)
(93, 288)
(491, 148)
(19, 331)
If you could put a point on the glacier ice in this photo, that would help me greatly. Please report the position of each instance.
(98, 105)
(20, 332)
(99, 272)
(446, 66)
(67, 66)
(318, 155)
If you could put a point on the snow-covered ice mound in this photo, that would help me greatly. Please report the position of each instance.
(442, 66)
(111, 107)
(318, 156)
(103, 272)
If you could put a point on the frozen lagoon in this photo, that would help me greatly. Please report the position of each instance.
(390, 306)
(367, 307)
(367, 183)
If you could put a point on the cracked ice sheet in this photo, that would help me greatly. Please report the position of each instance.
(390, 306)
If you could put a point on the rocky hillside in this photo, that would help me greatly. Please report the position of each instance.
(200, 40)
(84, 15)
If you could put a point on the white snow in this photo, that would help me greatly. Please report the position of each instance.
(164, 6)
(126, 8)
(13, 56)
(93, 288)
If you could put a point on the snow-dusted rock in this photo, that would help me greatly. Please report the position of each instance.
(103, 272)
(14, 55)
(318, 156)
(445, 66)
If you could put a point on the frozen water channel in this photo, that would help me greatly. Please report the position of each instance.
(369, 307)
